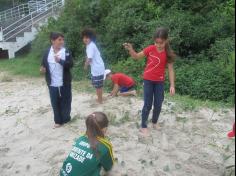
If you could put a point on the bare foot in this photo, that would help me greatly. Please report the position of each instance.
(156, 126)
(144, 132)
(57, 126)
(99, 101)
(134, 93)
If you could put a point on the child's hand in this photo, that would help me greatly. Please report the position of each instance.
(85, 66)
(42, 70)
(128, 46)
(172, 91)
(57, 59)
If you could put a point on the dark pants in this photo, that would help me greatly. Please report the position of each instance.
(152, 91)
(61, 98)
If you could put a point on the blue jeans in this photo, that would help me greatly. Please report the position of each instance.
(127, 89)
(61, 98)
(153, 96)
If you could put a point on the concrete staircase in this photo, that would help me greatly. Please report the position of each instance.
(20, 25)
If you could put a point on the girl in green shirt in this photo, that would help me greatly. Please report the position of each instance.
(91, 152)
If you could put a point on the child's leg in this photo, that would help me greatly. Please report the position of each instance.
(158, 100)
(97, 82)
(65, 103)
(100, 95)
(54, 96)
(127, 91)
(148, 101)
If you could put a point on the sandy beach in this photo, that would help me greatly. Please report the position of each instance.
(189, 143)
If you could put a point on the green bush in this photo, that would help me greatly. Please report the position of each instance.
(205, 80)
(202, 34)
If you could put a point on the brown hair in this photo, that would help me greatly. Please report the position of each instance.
(95, 122)
(163, 33)
(90, 33)
(55, 35)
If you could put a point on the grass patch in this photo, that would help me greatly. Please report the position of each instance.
(188, 103)
(23, 66)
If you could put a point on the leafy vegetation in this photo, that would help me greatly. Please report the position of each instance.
(202, 34)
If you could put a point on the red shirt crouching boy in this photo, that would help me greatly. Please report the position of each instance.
(123, 84)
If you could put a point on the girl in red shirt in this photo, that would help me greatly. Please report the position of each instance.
(159, 56)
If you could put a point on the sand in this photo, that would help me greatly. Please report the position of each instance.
(189, 143)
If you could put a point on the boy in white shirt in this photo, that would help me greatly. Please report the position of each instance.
(56, 64)
(95, 60)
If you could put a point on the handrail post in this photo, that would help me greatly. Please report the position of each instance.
(18, 11)
(1, 34)
(31, 16)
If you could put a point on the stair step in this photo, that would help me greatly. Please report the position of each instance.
(21, 34)
(18, 31)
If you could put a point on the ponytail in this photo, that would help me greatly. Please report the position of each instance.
(95, 124)
(170, 53)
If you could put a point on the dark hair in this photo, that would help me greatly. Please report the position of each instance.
(90, 33)
(95, 123)
(55, 35)
(163, 33)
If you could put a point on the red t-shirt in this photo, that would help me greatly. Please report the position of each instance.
(156, 64)
(122, 80)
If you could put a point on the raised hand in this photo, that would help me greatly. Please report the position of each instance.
(128, 46)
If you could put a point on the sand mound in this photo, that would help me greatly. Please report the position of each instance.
(189, 143)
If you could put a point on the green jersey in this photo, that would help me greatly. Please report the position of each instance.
(83, 161)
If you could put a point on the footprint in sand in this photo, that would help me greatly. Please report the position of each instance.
(145, 139)
(4, 150)
(11, 111)
(7, 165)
(56, 157)
(43, 110)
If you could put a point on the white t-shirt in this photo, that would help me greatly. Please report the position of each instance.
(97, 64)
(56, 69)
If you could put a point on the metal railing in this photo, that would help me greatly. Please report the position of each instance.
(27, 21)
(14, 12)
(22, 10)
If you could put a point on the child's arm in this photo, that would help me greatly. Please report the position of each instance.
(133, 53)
(107, 161)
(87, 63)
(68, 63)
(115, 90)
(43, 65)
(171, 78)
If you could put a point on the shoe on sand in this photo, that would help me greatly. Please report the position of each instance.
(134, 93)
(231, 134)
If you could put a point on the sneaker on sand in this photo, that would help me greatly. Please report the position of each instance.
(231, 134)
